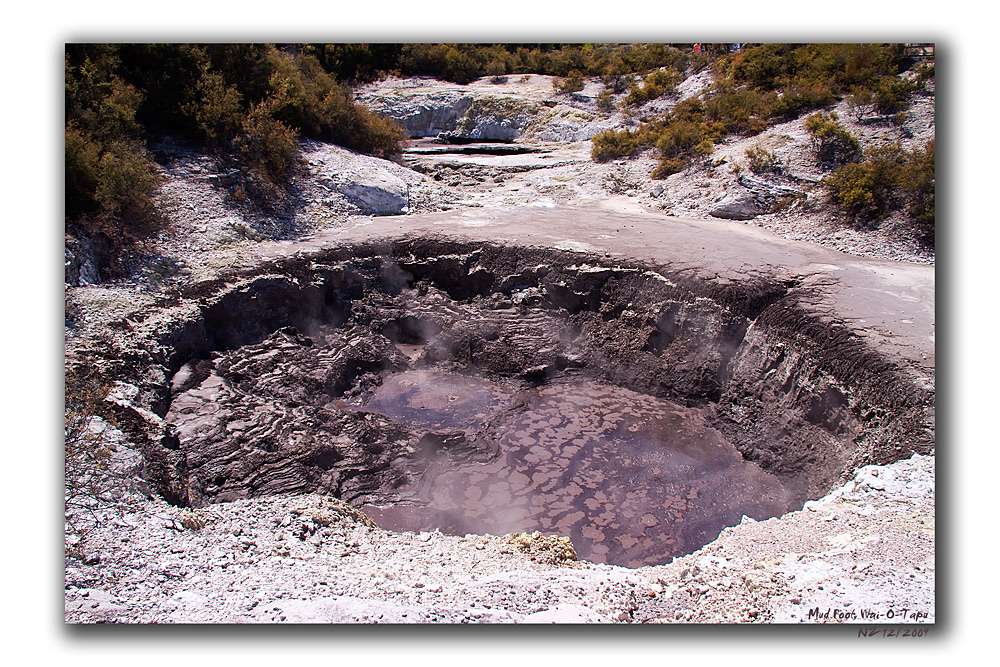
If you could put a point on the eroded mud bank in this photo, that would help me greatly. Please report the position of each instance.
(322, 372)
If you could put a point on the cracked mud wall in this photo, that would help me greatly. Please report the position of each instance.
(812, 398)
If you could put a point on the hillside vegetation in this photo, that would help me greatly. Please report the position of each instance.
(771, 83)
(249, 104)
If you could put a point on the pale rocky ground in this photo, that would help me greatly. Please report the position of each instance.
(867, 547)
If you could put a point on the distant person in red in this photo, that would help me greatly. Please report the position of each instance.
(697, 48)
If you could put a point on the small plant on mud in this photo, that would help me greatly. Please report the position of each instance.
(543, 548)
(93, 484)
(496, 69)
(861, 102)
(762, 161)
(620, 181)
(834, 145)
(239, 196)
(788, 202)
(571, 83)
(606, 101)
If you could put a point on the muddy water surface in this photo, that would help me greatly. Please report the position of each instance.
(438, 399)
(632, 479)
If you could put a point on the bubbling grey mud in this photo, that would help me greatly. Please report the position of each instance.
(472, 388)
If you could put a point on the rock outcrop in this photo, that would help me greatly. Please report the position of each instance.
(375, 187)
(455, 117)
(742, 208)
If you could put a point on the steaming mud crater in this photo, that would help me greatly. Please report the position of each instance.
(803, 399)
(632, 479)
(488, 389)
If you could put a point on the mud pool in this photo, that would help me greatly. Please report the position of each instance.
(492, 389)
(632, 479)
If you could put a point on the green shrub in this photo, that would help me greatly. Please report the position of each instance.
(918, 185)
(657, 84)
(461, 63)
(110, 178)
(810, 76)
(305, 97)
(704, 147)
(736, 110)
(356, 63)
(127, 182)
(668, 167)
(761, 160)
(887, 180)
(219, 109)
(98, 101)
(496, 69)
(83, 155)
(816, 70)
(867, 189)
(616, 75)
(925, 72)
(571, 83)
(678, 138)
(364, 130)
(761, 85)
(892, 95)
(610, 144)
(266, 144)
(799, 96)
(568, 59)
(833, 144)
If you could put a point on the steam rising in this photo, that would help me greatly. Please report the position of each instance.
(631, 479)
(446, 393)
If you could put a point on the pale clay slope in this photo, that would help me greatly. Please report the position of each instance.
(867, 547)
